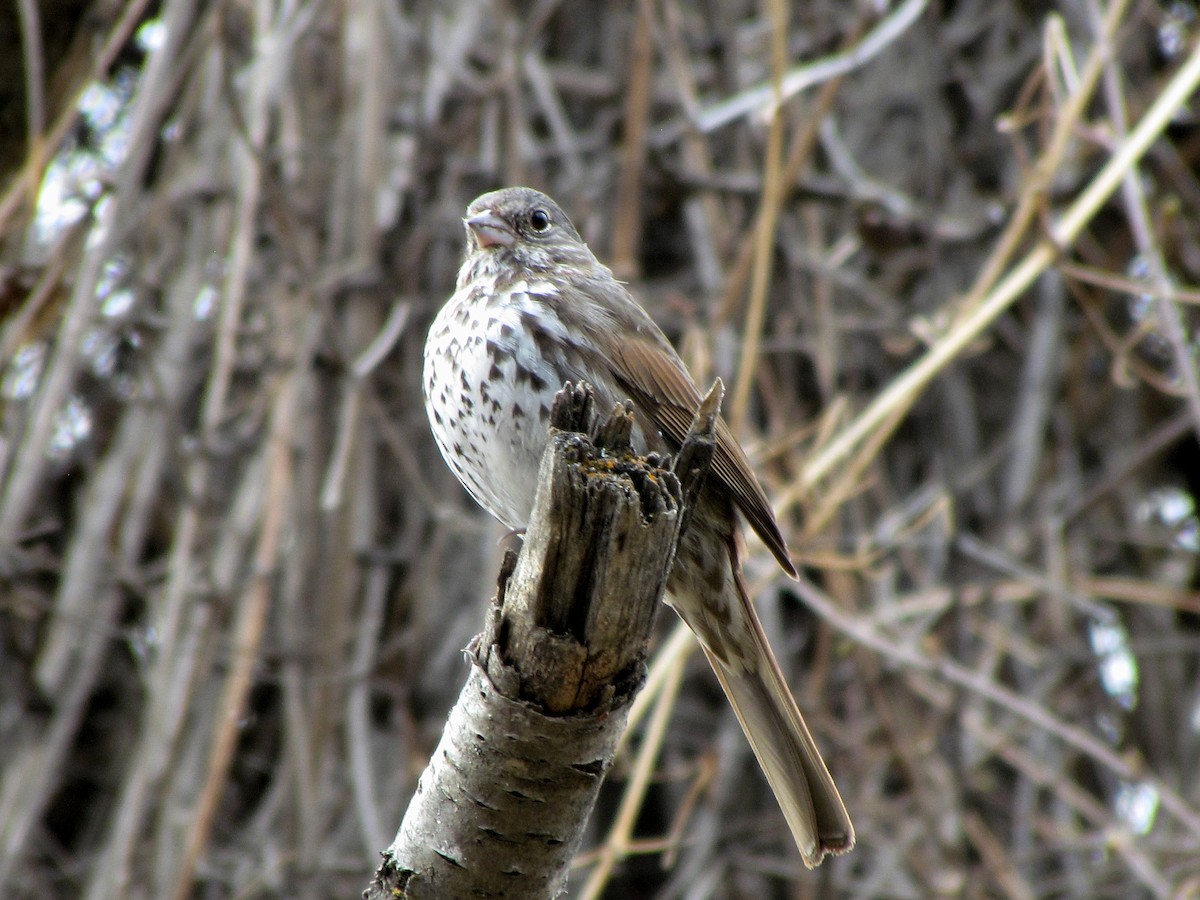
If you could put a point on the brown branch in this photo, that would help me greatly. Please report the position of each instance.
(502, 806)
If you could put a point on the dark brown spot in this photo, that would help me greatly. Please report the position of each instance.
(546, 343)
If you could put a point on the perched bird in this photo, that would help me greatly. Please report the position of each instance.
(534, 308)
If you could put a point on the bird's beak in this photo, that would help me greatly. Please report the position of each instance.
(490, 230)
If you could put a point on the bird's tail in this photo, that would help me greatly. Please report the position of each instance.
(782, 743)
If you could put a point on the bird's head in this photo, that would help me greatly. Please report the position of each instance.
(526, 227)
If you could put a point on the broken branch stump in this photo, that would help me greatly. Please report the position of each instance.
(501, 809)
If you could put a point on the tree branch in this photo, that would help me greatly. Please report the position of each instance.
(501, 809)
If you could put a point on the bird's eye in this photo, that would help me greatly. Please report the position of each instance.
(539, 220)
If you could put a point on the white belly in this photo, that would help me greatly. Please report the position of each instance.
(488, 396)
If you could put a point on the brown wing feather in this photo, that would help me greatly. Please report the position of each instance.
(658, 382)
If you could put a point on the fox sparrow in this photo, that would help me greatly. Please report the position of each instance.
(533, 309)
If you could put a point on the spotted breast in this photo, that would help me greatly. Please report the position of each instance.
(490, 379)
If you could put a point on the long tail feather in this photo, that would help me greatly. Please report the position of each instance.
(784, 747)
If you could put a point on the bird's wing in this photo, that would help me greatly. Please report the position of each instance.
(657, 382)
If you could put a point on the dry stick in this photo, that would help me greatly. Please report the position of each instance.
(35, 83)
(701, 213)
(333, 485)
(993, 853)
(826, 354)
(997, 560)
(679, 645)
(1039, 381)
(544, 92)
(367, 133)
(1158, 440)
(848, 481)
(315, 708)
(517, 138)
(627, 221)
(798, 155)
(248, 629)
(1123, 284)
(358, 727)
(1144, 593)
(1027, 206)
(27, 785)
(617, 844)
(1033, 195)
(933, 602)
(772, 199)
(453, 30)
(903, 391)
(1138, 214)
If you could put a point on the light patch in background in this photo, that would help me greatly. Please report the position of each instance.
(1173, 509)
(150, 36)
(1175, 27)
(1139, 306)
(1118, 668)
(100, 350)
(1137, 805)
(205, 302)
(75, 178)
(143, 642)
(23, 371)
(116, 298)
(76, 185)
(72, 426)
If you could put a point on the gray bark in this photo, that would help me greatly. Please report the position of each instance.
(501, 809)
